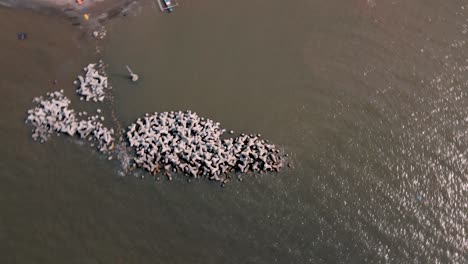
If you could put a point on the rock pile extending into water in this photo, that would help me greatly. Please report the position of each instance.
(100, 33)
(184, 142)
(52, 114)
(179, 142)
(94, 84)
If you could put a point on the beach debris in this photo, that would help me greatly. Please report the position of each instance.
(184, 142)
(53, 115)
(133, 76)
(22, 36)
(94, 84)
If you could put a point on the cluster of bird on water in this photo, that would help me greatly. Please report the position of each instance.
(186, 143)
(179, 142)
(94, 84)
(53, 115)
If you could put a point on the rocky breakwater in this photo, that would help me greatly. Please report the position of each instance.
(175, 142)
(184, 142)
(94, 84)
(100, 33)
(53, 115)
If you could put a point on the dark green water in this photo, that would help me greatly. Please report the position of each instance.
(368, 97)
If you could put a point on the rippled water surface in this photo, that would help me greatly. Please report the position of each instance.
(368, 97)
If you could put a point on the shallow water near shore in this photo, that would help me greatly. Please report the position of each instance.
(367, 97)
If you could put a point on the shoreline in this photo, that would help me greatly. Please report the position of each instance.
(99, 11)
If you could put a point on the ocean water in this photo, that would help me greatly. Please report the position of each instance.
(367, 97)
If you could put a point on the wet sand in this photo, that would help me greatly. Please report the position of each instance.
(53, 50)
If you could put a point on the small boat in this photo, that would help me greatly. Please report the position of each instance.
(167, 5)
